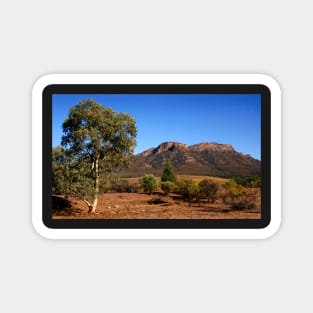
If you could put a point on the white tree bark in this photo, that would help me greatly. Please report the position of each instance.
(89, 205)
(93, 207)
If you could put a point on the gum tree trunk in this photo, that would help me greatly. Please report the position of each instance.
(93, 206)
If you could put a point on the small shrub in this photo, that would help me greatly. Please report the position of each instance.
(208, 190)
(133, 188)
(167, 187)
(120, 186)
(149, 183)
(232, 191)
(188, 188)
(248, 181)
(124, 186)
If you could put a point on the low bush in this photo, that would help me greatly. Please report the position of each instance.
(124, 186)
(149, 183)
(232, 191)
(208, 190)
(248, 181)
(188, 189)
(167, 187)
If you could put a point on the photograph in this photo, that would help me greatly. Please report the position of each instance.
(156, 156)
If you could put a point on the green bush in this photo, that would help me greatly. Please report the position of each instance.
(188, 188)
(168, 173)
(248, 181)
(167, 187)
(149, 183)
(232, 191)
(208, 189)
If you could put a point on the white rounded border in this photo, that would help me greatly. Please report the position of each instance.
(156, 233)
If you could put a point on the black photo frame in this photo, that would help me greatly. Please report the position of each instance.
(47, 117)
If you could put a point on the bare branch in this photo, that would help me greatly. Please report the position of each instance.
(87, 202)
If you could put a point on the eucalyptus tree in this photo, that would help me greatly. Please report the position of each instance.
(99, 142)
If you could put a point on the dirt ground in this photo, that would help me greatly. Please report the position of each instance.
(156, 206)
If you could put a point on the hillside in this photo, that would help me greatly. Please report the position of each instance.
(211, 159)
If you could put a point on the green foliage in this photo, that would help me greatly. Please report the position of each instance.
(97, 143)
(188, 188)
(168, 173)
(248, 181)
(93, 131)
(149, 183)
(232, 191)
(71, 176)
(167, 187)
(60, 173)
(208, 190)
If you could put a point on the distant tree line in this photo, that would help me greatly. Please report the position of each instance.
(193, 191)
(248, 181)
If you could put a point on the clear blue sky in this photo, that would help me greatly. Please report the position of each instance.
(186, 118)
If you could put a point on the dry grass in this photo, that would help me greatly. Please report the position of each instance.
(156, 206)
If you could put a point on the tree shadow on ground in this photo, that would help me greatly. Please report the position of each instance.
(157, 201)
(62, 206)
(214, 209)
(60, 203)
(176, 198)
(232, 207)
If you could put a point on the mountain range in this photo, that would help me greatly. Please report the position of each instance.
(204, 159)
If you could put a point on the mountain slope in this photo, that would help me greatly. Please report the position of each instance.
(212, 159)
